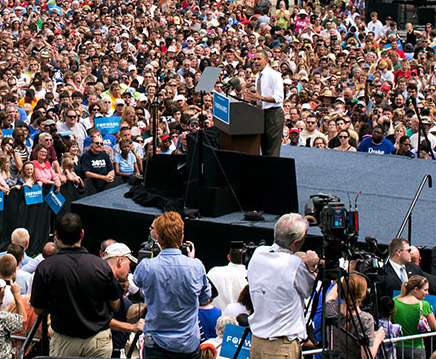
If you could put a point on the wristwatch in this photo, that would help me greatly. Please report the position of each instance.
(261, 98)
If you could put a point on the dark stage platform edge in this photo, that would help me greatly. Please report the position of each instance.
(110, 215)
(387, 186)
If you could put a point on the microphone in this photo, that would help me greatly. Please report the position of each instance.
(233, 82)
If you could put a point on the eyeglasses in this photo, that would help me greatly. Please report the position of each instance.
(343, 137)
(98, 143)
(48, 140)
(406, 144)
(310, 122)
(406, 250)
(71, 116)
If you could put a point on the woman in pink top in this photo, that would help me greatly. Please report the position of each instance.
(43, 170)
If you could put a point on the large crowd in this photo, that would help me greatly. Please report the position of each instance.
(347, 84)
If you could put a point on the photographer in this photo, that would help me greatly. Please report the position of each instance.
(174, 285)
(279, 282)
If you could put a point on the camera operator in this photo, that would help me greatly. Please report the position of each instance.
(279, 282)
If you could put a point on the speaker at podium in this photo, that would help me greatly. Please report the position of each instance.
(240, 122)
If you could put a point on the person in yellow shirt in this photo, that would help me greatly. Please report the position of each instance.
(29, 98)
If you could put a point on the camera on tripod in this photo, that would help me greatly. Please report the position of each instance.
(339, 226)
(329, 214)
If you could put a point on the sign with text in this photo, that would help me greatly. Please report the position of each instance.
(54, 200)
(231, 339)
(33, 195)
(108, 125)
(7, 132)
(221, 107)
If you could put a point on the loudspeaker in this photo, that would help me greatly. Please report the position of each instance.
(383, 10)
(259, 183)
(166, 173)
(426, 15)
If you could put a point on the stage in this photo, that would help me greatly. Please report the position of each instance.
(387, 187)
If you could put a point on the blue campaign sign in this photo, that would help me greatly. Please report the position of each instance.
(55, 8)
(7, 132)
(2, 197)
(221, 107)
(108, 125)
(33, 195)
(231, 339)
(54, 200)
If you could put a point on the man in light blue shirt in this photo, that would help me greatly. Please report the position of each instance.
(173, 285)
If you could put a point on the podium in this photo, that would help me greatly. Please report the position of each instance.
(241, 124)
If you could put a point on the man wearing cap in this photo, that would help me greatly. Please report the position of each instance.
(185, 69)
(294, 137)
(174, 285)
(133, 72)
(426, 125)
(167, 146)
(279, 283)
(119, 107)
(119, 257)
(77, 289)
(269, 96)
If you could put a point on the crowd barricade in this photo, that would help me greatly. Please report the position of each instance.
(428, 338)
(39, 218)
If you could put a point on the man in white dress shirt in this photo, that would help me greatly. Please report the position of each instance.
(279, 282)
(269, 96)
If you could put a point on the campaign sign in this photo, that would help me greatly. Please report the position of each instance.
(2, 197)
(231, 339)
(54, 200)
(221, 107)
(108, 125)
(33, 195)
(56, 8)
(7, 132)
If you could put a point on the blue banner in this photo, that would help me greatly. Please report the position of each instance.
(54, 200)
(7, 132)
(221, 107)
(232, 337)
(2, 197)
(107, 125)
(33, 195)
(56, 8)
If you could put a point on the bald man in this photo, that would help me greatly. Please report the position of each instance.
(415, 256)
(21, 237)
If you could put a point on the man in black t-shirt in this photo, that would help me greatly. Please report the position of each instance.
(96, 163)
(77, 289)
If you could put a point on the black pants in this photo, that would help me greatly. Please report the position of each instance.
(271, 139)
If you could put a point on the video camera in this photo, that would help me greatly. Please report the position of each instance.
(247, 249)
(339, 226)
